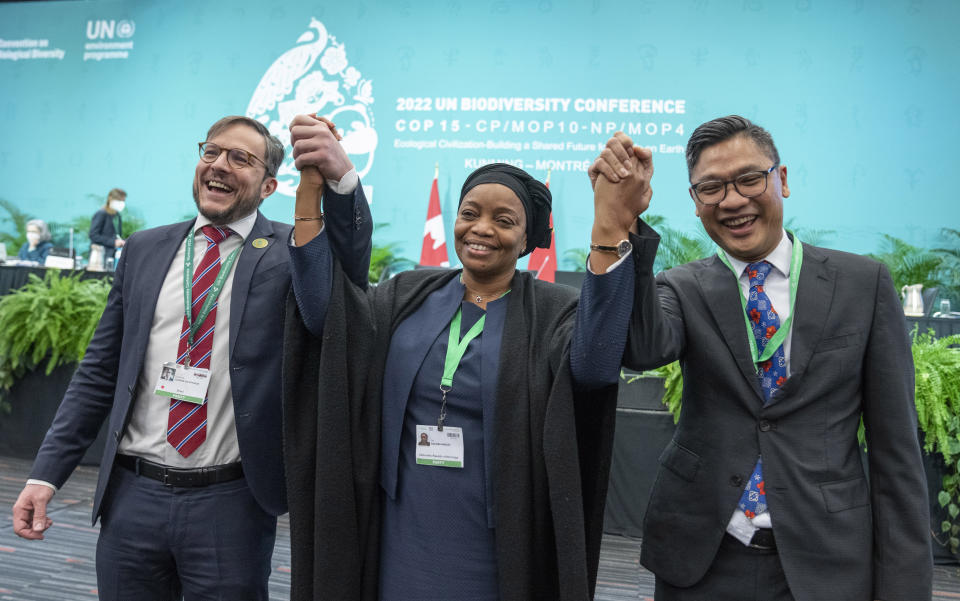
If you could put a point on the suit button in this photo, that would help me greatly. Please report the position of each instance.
(117, 435)
(736, 481)
(766, 426)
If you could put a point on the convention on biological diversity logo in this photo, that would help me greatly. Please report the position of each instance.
(111, 40)
(29, 49)
(292, 86)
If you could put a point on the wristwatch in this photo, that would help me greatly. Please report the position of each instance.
(622, 248)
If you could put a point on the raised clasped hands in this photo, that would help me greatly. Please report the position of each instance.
(316, 143)
(620, 177)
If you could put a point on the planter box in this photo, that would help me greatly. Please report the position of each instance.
(34, 401)
(640, 392)
(644, 427)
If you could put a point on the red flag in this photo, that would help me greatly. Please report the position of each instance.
(434, 252)
(544, 260)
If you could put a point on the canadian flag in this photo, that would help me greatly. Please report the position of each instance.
(544, 260)
(434, 252)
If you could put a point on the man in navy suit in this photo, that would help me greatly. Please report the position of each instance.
(784, 346)
(193, 514)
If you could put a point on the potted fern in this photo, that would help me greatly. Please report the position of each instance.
(45, 327)
(936, 363)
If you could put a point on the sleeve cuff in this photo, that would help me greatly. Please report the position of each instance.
(612, 267)
(42, 483)
(346, 184)
(293, 241)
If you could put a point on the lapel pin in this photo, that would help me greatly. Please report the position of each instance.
(260, 243)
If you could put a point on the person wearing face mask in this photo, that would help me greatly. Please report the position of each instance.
(107, 224)
(38, 244)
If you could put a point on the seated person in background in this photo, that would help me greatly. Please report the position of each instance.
(106, 225)
(38, 244)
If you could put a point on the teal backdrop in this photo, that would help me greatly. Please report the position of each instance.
(860, 96)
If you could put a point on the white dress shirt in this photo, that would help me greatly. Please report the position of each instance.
(777, 287)
(146, 433)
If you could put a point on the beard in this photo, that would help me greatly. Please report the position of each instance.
(240, 208)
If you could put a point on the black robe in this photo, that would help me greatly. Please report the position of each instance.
(553, 443)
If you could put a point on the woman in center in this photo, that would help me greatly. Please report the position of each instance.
(511, 383)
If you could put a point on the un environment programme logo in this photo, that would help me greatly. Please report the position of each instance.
(297, 82)
(108, 40)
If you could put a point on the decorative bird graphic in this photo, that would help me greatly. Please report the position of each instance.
(293, 64)
(297, 83)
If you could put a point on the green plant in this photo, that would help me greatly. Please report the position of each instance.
(576, 258)
(384, 260)
(812, 236)
(950, 266)
(50, 319)
(937, 396)
(673, 387)
(909, 264)
(677, 247)
(18, 219)
(133, 221)
(672, 384)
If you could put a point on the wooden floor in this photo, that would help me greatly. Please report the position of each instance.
(61, 568)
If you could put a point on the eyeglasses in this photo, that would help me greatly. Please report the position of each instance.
(748, 185)
(238, 158)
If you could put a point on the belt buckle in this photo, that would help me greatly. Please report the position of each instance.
(165, 472)
(762, 547)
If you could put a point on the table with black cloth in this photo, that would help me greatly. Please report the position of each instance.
(941, 326)
(15, 276)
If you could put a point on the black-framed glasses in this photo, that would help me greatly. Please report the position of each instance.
(748, 185)
(238, 158)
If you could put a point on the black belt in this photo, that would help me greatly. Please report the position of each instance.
(763, 539)
(175, 476)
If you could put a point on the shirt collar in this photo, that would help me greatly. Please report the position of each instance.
(242, 227)
(780, 257)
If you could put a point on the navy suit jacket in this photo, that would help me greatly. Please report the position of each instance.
(104, 384)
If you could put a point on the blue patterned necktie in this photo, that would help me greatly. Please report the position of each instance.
(772, 373)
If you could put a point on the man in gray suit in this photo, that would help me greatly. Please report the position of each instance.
(761, 494)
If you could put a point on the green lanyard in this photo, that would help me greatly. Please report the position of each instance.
(211, 296)
(795, 262)
(456, 349)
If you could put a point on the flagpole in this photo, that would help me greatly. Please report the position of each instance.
(434, 250)
(546, 258)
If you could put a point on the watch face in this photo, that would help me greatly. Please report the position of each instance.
(623, 247)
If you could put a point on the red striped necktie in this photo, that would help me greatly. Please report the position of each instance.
(187, 422)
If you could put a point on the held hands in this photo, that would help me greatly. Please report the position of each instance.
(319, 156)
(621, 188)
(30, 511)
(316, 143)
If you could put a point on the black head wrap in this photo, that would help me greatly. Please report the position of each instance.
(534, 196)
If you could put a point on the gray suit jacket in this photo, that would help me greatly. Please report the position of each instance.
(841, 535)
